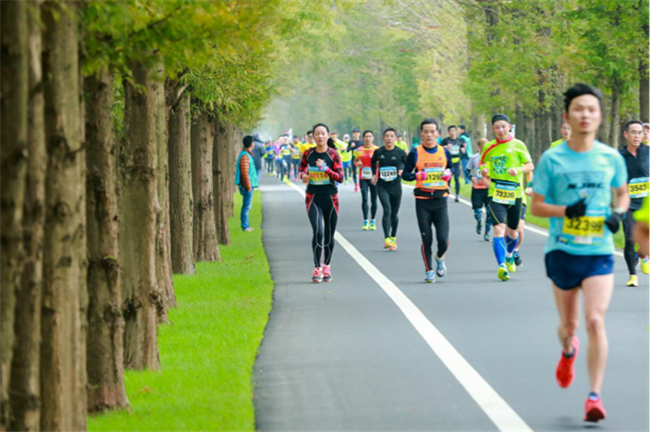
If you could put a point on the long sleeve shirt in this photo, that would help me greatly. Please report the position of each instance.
(245, 180)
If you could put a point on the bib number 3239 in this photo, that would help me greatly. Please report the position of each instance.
(588, 229)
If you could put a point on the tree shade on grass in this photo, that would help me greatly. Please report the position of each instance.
(207, 352)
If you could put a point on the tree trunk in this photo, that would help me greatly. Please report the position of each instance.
(232, 141)
(205, 234)
(105, 345)
(163, 230)
(546, 135)
(644, 99)
(25, 376)
(531, 132)
(63, 348)
(13, 165)
(137, 237)
(180, 187)
(615, 125)
(220, 161)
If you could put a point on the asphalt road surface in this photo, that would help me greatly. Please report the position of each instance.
(379, 349)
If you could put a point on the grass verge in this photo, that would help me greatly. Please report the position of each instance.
(207, 353)
(466, 191)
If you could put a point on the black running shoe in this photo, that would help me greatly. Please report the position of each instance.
(518, 261)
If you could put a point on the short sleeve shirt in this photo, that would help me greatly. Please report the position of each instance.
(499, 158)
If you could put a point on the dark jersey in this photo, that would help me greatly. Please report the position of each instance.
(637, 174)
(386, 164)
(454, 147)
(354, 145)
(322, 181)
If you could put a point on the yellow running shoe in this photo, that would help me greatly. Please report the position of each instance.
(645, 266)
(502, 273)
(633, 282)
(366, 225)
(393, 243)
(387, 243)
(511, 265)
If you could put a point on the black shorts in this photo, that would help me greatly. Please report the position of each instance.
(479, 198)
(567, 271)
(507, 214)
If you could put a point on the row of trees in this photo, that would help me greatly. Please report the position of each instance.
(393, 63)
(120, 127)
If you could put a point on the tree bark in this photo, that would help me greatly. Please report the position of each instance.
(25, 376)
(13, 165)
(163, 236)
(644, 96)
(615, 125)
(137, 237)
(220, 161)
(63, 348)
(205, 234)
(105, 345)
(180, 187)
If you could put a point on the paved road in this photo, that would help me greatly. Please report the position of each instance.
(343, 355)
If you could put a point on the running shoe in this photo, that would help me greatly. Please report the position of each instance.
(327, 273)
(594, 410)
(486, 237)
(373, 225)
(518, 261)
(633, 282)
(366, 225)
(565, 368)
(510, 264)
(317, 277)
(387, 243)
(457, 199)
(431, 277)
(478, 227)
(502, 273)
(645, 266)
(441, 268)
(393, 243)
(356, 187)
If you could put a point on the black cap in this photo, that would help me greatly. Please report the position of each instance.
(355, 130)
(498, 117)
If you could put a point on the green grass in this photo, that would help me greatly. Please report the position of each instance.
(466, 191)
(208, 351)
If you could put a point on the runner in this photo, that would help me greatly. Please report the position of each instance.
(387, 165)
(457, 148)
(565, 131)
(464, 157)
(285, 149)
(346, 158)
(362, 159)
(646, 133)
(636, 161)
(479, 192)
(573, 188)
(295, 157)
(642, 230)
(352, 147)
(320, 170)
(279, 170)
(268, 158)
(341, 147)
(429, 164)
(400, 143)
(503, 162)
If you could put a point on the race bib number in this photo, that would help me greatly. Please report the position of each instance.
(454, 149)
(388, 173)
(434, 177)
(638, 187)
(366, 173)
(504, 194)
(587, 230)
(318, 177)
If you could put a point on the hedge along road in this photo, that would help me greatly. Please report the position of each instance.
(377, 348)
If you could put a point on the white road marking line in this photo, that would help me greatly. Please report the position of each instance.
(534, 229)
(492, 404)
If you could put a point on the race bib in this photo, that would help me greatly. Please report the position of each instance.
(638, 187)
(318, 177)
(388, 173)
(434, 177)
(366, 173)
(586, 230)
(454, 149)
(504, 193)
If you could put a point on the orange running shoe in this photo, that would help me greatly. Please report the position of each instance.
(594, 410)
(565, 370)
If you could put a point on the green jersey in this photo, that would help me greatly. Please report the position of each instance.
(402, 145)
(499, 158)
(556, 143)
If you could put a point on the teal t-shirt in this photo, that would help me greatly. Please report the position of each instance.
(563, 176)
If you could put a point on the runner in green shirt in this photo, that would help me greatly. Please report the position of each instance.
(565, 130)
(504, 161)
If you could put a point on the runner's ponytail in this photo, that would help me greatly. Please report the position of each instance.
(330, 143)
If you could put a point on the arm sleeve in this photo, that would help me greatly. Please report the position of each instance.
(409, 166)
(335, 172)
(543, 174)
(470, 166)
(245, 181)
(620, 174)
(304, 165)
